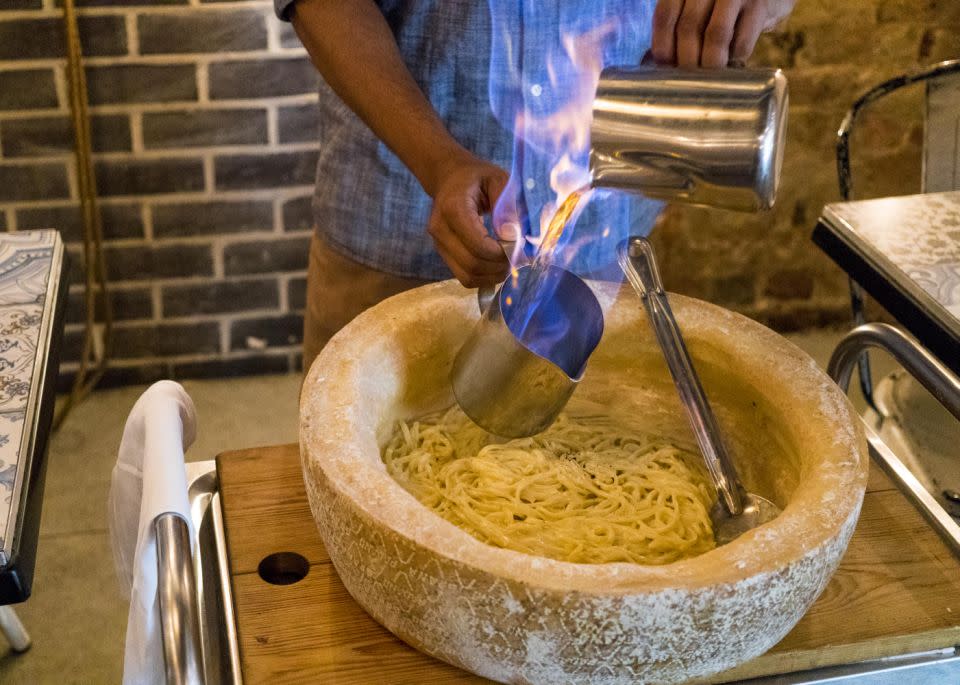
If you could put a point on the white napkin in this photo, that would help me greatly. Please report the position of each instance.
(161, 426)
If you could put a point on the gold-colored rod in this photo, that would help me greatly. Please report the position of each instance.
(95, 279)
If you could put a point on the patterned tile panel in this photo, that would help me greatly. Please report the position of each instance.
(25, 264)
(919, 235)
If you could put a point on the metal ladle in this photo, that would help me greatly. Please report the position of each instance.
(736, 510)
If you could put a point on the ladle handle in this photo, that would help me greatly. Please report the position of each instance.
(638, 263)
(486, 293)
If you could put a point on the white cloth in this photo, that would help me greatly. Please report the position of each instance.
(162, 424)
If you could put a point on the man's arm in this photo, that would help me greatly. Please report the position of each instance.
(353, 48)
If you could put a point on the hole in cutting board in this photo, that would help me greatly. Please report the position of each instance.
(283, 568)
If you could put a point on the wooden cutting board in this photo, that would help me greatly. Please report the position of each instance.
(897, 590)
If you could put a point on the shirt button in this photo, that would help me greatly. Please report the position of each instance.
(530, 184)
(536, 90)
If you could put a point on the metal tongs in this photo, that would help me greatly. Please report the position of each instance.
(737, 510)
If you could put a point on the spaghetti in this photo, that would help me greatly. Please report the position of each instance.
(586, 490)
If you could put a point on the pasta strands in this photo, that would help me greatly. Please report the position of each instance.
(586, 490)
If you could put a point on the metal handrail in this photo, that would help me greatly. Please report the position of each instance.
(942, 383)
(177, 590)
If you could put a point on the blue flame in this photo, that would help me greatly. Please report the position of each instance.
(553, 314)
(545, 61)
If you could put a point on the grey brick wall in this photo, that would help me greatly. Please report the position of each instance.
(205, 139)
(205, 135)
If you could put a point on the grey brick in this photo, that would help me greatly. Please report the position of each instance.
(71, 346)
(132, 304)
(141, 374)
(74, 265)
(266, 256)
(27, 89)
(299, 123)
(220, 298)
(276, 170)
(227, 30)
(118, 221)
(206, 218)
(243, 366)
(274, 331)
(143, 177)
(54, 135)
(298, 214)
(297, 294)
(33, 182)
(166, 339)
(126, 83)
(288, 37)
(66, 378)
(116, 376)
(148, 262)
(125, 305)
(43, 38)
(207, 127)
(262, 78)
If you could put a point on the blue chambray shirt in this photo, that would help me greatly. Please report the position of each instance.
(476, 72)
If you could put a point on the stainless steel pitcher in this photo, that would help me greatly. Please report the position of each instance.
(527, 353)
(711, 137)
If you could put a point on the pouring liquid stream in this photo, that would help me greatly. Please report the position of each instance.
(557, 225)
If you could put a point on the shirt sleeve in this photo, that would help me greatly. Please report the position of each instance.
(282, 8)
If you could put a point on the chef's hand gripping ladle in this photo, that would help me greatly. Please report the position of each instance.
(736, 510)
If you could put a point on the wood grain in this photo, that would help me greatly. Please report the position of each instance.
(313, 631)
(268, 507)
(897, 590)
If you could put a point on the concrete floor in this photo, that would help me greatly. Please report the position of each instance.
(76, 616)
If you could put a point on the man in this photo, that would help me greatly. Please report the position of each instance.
(412, 155)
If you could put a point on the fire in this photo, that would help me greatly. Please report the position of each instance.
(560, 133)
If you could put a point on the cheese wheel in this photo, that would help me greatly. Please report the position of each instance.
(515, 617)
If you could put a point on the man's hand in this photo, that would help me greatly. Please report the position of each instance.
(712, 33)
(466, 188)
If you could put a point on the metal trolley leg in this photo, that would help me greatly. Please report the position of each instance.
(13, 629)
(935, 377)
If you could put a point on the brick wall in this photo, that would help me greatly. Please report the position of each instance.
(204, 132)
(765, 266)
